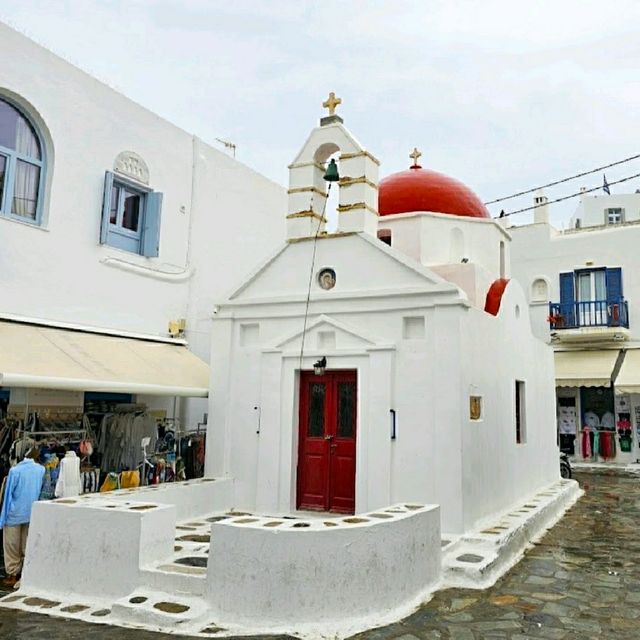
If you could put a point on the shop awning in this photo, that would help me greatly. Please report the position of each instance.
(628, 380)
(54, 358)
(585, 368)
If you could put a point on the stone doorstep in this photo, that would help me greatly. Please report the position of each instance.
(479, 559)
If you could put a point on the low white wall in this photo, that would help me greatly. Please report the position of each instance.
(323, 575)
(94, 551)
(191, 499)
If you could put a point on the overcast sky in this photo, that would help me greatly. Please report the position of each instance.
(502, 95)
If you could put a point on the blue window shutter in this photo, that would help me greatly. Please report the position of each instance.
(567, 288)
(106, 207)
(614, 284)
(151, 234)
(568, 298)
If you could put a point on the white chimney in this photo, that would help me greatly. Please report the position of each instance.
(541, 211)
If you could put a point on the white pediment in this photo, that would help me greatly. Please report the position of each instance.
(326, 333)
(363, 266)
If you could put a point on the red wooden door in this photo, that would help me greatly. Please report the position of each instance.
(327, 442)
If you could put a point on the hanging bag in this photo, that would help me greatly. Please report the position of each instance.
(111, 483)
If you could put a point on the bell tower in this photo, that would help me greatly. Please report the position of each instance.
(355, 173)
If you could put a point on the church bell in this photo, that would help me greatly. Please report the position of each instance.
(331, 174)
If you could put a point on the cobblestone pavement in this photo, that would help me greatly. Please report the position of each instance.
(581, 582)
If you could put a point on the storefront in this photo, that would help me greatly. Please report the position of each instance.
(114, 400)
(597, 401)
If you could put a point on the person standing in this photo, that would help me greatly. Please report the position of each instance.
(22, 489)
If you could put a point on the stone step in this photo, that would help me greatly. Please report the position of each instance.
(162, 609)
(178, 579)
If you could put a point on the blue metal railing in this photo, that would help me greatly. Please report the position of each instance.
(594, 313)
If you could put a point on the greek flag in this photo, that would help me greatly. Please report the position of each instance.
(605, 185)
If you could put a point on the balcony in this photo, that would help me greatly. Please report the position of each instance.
(591, 321)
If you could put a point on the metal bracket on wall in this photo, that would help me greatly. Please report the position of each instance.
(259, 410)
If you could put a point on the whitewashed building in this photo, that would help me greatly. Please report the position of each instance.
(583, 294)
(114, 222)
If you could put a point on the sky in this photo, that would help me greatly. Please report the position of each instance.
(502, 95)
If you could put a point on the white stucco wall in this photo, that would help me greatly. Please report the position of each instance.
(114, 541)
(496, 351)
(323, 580)
(439, 238)
(442, 242)
(541, 251)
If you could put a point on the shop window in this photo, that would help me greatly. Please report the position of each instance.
(567, 424)
(22, 166)
(521, 417)
(130, 216)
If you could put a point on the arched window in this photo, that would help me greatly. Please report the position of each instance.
(21, 166)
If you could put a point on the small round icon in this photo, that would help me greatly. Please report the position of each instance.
(327, 279)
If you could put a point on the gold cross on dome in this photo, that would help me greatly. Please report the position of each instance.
(415, 155)
(331, 103)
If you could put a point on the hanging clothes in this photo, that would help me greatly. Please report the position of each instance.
(586, 442)
(90, 480)
(51, 473)
(120, 440)
(68, 484)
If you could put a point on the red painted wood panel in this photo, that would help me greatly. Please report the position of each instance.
(327, 441)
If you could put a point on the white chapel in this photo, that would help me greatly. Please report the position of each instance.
(392, 360)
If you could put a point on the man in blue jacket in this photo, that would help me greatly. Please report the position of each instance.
(22, 489)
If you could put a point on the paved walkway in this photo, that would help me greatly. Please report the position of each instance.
(581, 582)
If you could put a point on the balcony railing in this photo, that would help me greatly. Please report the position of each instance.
(594, 313)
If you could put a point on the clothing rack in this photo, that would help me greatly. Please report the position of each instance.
(51, 433)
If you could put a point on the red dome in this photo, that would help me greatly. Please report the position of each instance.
(418, 189)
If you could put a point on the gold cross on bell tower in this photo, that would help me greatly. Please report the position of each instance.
(331, 103)
(415, 155)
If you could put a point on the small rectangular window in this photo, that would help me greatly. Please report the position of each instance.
(614, 215)
(521, 419)
(475, 407)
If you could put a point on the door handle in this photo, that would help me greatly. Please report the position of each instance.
(328, 437)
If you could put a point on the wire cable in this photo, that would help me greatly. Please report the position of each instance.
(313, 262)
(573, 195)
(553, 184)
